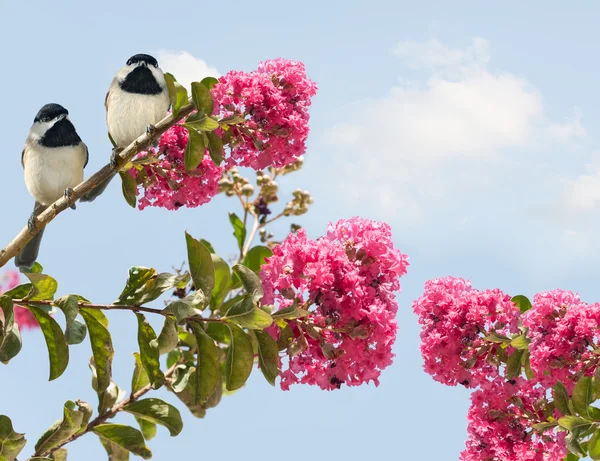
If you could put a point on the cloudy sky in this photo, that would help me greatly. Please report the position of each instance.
(470, 129)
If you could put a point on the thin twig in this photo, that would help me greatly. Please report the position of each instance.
(137, 146)
(255, 227)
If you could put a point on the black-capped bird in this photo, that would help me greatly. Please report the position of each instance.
(136, 100)
(53, 160)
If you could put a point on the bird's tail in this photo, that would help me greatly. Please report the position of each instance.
(96, 191)
(29, 253)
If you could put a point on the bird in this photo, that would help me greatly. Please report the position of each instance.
(53, 161)
(137, 99)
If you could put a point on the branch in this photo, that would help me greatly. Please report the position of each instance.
(137, 146)
(108, 414)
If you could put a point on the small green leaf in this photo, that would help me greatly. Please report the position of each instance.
(268, 356)
(202, 123)
(513, 365)
(215, 147)
(247, 315)
(168, 337)
(208, 245)
(177, 93)
(597, 382)
(582, 396)
(520, 342)
(594, 446)
(181, 310)
(20, 291)
(126, 437)
(58, 351)
(573, 423)
(114, 451)
(140, 379)
(149, 352)
(239, 230)
(201, 266)
(250, 281)
(60, 431)
(148, 429)
(208, 370)
(290, 313)
(222, 282)
(522, 302)
(240, 358)
(101, 342)
(158, 412)
(139, 281)
(286, 336)
(75, 331)
(573, 445)
(209, 82)
(202, 98)
(129, 188)
(59, 455)
(43, 286)
(10, 337)
(194, 150)
(256, 257)
(561, 398)
(11, 442)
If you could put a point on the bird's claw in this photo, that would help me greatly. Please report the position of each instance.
(114, 157)
(150, 130)
(68, 193)
(31, 223)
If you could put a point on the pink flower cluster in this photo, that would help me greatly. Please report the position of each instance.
(349, 277)
(498, 424)
(454, 320)
(23, 317)
(274, 101)
(563, 332)
(167, 184)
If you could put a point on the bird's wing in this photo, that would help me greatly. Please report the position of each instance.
(23, 158)
(87, 154)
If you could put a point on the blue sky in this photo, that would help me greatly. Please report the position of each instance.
(469, 128)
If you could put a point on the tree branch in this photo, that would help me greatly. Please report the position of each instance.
(137, 146)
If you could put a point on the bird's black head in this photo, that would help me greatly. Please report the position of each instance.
(145, 58)
(49, 112)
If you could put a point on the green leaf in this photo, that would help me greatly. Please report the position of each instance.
(201, 266)
(520, 342)
(268, 356)
(75, 331)
(11, 442)
(561, 398)
(202, 123)
(43, 286)
(240, 358)
(290, 313)
(10, 337)
(194, 150)
(148, 428)
(208, 370)
(101, 343)
(140, 379)
(20, 291)
(209, 82)
(138, 283)
(59, 455)
(573, 445)
(129, 188)
(181, 310)
(222, 282)
(60, 431)
(58, 351)
(522, 302)
(215, 147)
(239, 230)
(208, 245)
(168, 337)
(250, 281)
(149, 352)
(286, 336)
(513, 365)
(114, 451)
(247, 315)
(256, 257)
(126, 437)
(582, 396)
(597, 382)
(202, 98)
(177, 93)
(158, 412)
(573, 423)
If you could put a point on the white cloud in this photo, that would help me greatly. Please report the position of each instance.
(582, 194)
(185, 67)
(427, 140)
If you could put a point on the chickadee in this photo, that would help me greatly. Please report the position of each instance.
(136, 100)
(53, 160)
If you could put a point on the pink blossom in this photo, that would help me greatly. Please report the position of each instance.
(347, 279)
(23, 317)
(500, 424)
(454, 320)
(563, 331)
(167, 184)
(274, 102)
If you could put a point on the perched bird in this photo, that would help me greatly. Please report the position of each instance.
(53, 160)
(136, 100)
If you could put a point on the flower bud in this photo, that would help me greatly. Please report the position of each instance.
(248, 190)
